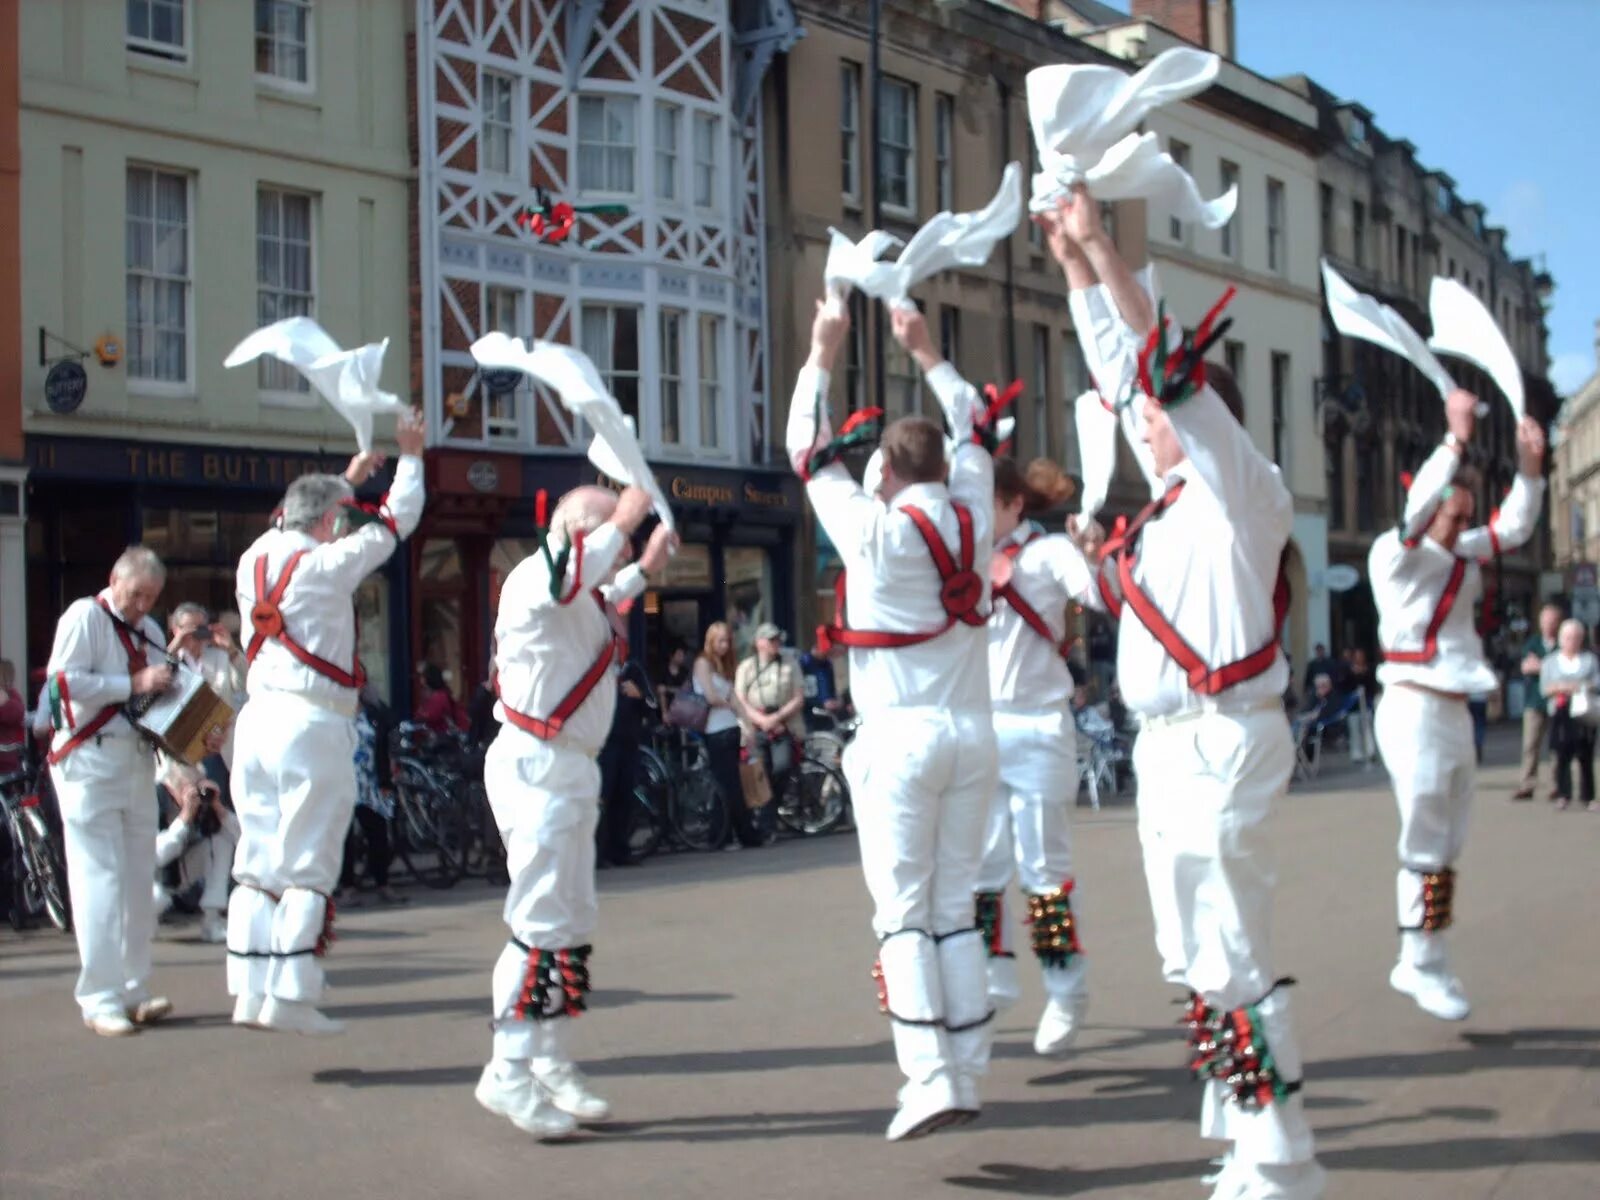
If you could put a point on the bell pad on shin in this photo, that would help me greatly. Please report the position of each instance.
(555, 983)
(1055, 932)
(1231, 1046)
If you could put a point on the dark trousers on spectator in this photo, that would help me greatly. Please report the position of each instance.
(1573, 740)
(380, 850)
(619, 773)
(749, 825)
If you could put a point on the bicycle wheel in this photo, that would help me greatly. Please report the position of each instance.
(696, 809)
(643, 837)
(813, 799)
(47, 876)
(451, 836)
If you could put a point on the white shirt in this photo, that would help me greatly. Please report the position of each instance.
(1408, 584)
(1581, 670)
(719, 718)
(90, 667)
(1025, 671)
(1111, 351)
(318, 608)
(543, 647)
(891, 581)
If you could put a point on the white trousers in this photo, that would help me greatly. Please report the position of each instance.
(1427, 746)
(920, 781)
(1206, 787)
(108, 812)
(1029, 834)
(546, 802)
(294, 789)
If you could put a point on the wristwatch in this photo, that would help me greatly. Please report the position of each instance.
(1454, 442)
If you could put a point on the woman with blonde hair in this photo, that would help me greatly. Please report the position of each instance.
(714, 669)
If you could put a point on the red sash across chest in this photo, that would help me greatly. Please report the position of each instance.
(615, 652)
(1121, 549)
(266, 619)
(1030, 616)
(81, 734)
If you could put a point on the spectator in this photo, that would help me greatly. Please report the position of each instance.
(774, 700)
(619, 766)
(1321, 704)
(1535, 711)
(819, 682)
(481, 724)
(1569, 670)
(1478, 707)
(13, 719)
(1320, 664)
(439, 711)
(200, 840)
(1363, 747)
(675, 676)
(208, 649)
(1102, 654)
(374, 811)
(712, 680)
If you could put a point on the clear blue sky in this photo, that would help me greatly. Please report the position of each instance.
(1505, 97)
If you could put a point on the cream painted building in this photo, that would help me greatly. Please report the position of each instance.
(191, 171)
(1575, 477)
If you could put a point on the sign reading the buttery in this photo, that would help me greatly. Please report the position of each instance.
(108, 461)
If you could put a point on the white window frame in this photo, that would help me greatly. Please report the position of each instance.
(668, 158)
(887, 85)
(1041, 392)
(1182, 154)
(279, 383)
(493, 126)
(707, 170)
(606, 100)
(1227, 236)
(606, 366)
(285, 82)
(850, 132)
(944, 152)
(502, 413)
(137, 383)
(712, 384)
(1277, 227)
(163, 50)
(670, 371)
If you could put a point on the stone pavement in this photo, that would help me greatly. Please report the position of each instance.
(735, 1030)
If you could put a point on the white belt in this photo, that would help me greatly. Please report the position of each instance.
(1209, 708)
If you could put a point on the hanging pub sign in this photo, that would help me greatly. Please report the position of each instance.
(65, 386)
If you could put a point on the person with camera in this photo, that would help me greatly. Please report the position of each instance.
(101, 766)
(1569, 678)
(772, 719)
(201, 840)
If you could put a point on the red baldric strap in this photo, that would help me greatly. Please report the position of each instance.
(960, 591)
(1202, 679)
(136, 663)
(616, 650)
(266, 617)
(1030, 615)
(1430, 639)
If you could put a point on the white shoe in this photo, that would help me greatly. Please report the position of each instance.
(569, 1091)
(247, 1010)
(213, 928)
(1261, 1181)
(968, 1102)
(111, 1024)
(1221, 1172)
(1058, 1027)
(150, 1010)
(1437, 995)
(923, 1110)
(524, 1104)
(297, 1016)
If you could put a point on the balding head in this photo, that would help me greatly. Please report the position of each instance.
(582, 510)
(137, 578)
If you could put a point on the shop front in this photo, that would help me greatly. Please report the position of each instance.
(736, 564)
(197, 506)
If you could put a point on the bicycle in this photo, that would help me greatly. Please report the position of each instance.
(38, 874)
(431, 815)
(676, 770)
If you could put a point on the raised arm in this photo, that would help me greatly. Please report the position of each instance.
(1432, 480)
(1519, 512)
(1221, 453)
(352, 558)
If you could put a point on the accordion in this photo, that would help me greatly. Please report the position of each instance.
(183, 717)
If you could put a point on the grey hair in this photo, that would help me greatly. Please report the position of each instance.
(139, 562)
(1574, 623)
(187, 609)
(578, 512)
(312, 497)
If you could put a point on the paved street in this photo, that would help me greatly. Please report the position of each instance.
(734, 1027)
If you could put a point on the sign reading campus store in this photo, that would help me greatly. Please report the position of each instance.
(65, 386)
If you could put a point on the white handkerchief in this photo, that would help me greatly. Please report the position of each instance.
(1097, 446)
(1358, 315)
(1085, 122)
(1462, 326)
(346, 379)
(615, 449)
(850, 263)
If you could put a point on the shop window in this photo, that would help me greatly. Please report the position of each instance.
(611, 340)
(747, 593)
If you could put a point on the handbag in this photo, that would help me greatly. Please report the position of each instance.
(1584, 706)
(688, 710)
(757, 787)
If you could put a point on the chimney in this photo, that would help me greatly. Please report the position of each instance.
(1189, 19)
(1221, 28)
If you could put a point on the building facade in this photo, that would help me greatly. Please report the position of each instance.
(13, 466)
(647, 110)
(1389, 225)
(191, 172)
(1575, 476)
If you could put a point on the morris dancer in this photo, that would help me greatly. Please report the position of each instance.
(1425, 579)
(103, 768)
(294, 782)
(558, 643)
(1196, 579)
(1034, 575)
(922, 767)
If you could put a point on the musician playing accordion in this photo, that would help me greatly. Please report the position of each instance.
(108, 651)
